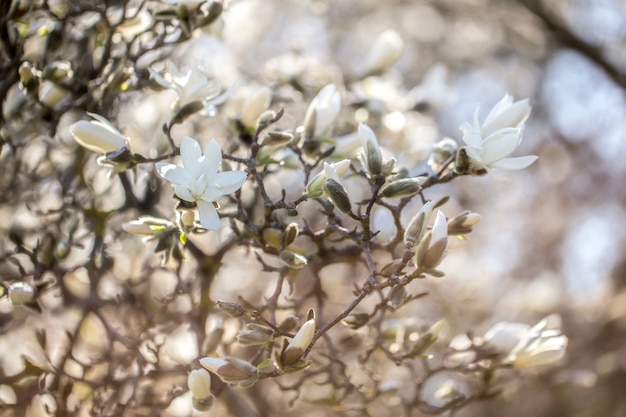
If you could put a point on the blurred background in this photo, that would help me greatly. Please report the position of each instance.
(551, 237)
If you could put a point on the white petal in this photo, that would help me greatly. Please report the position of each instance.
(500, 144)
(230, 181)
(190, 154)
(159, 79)
(209, 218)
(96, 137)
(184, 193)
(367, 135)
(212, 157)
(440, 228)
(514, 164)
(173, 173)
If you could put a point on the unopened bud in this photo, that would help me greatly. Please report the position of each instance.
(265, 119)
(58, 71)
(199, 383)
(407, 187)
(356, 320)
(275, 139)
(338, 195)
(291, 233)
(397, 296)
(432, 248)
(98, 135)
(293, 260)
(188, 218)
(254, 106)
(417, 227)
(371, 156)
(29, 76)
(391, 267)
(463, 223)
(255, 335)
(427, 339)
(21, 293)
(466, 165)
(441, 152)
(299, 343)
(288, 324)
(388, 167)
(232, 370)
(231, 308)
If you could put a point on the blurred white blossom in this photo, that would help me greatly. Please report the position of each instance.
(323, 111)
(255, 104)
(525, 346)
(199, 383)
(189, 86)
(386, 50)
(199, 181)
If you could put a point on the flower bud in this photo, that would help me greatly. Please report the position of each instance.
(291, 233)
(293, 260)
(52, 95)
(199, 383)
(338, 195)
(256, 334)
(322, 112)
(427, 339)
(385, 51)
(231, 308)
(187, 218)
(356, 320)
(314, 188)
(254, 106)
(417, 227)
(397, 296)
(265, 119)
(432, 248)
(441, 152)
(299, 343)
(406, 187)
(98, 135)
(29, 76)
(21, 293)
(276, 139)
(371, 156)
(232, 370)
(463, 223)
(58, 71)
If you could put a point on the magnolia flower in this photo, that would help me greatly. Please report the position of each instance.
(500, 134)
(98, 135)
(255, 104)
(189, 86)
(232, 370)
(525, 346)
(323, 111)
(147, 226)
(432, 247)
(198, 180)
(386, 50)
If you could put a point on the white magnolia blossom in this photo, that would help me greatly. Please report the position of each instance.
(386, 50)
(198, 180)
(254, 106)
(323, 111)
(189, 86)
(489, 144)
(98, 135)
(525, 346)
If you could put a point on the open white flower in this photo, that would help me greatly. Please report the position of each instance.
(500, 134)
(198, 180)
(189, 86)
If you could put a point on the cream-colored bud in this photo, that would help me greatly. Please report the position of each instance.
(21, 293)
(463, 223)
(199, 383)
(417, 227)
(254, 106)
(147, 226)
(291, 233)
(188, 218)
(292, 259)
(432, 248)
(232, 370)
(322, 112)
(299, 343)
(276, 139)
(98, 135)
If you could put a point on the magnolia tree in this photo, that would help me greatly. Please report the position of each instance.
(261, 251)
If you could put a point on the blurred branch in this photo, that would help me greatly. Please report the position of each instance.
(566, 38)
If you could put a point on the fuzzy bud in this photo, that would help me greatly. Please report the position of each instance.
(371, 157)
(463, 223)
(291, 233)
(21, 293)
(406, 187)
(276, 139)
(432, 248)
(356, 320)
(338, 195)
(232, 370)
(417, 227)
(292, 259)
(231, 308)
